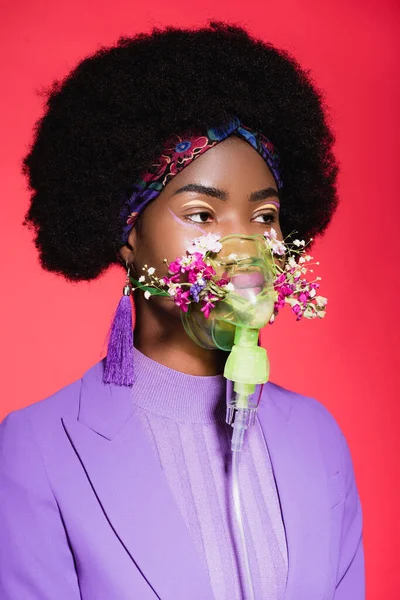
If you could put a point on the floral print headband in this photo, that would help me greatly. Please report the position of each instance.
(178, 153)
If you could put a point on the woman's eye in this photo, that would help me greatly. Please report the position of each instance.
(199, 217)
(266, 218)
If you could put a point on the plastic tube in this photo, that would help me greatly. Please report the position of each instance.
(239, 428)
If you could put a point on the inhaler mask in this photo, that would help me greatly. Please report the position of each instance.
(233, 325)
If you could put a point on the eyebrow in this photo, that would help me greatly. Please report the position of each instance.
(222, 195)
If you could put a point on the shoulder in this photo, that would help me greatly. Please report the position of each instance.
(46, 412)
(300, 406)
(311, 419)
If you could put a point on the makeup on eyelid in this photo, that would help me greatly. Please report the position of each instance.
(198, 204)
(272, 203)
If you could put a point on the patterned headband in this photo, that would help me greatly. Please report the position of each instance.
(178, 153)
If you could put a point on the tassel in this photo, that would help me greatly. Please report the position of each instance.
(119, 360)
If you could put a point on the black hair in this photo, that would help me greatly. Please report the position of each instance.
(105, 122)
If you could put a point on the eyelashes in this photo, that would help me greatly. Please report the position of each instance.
(202, 213)
(272, 217)
(202, 217)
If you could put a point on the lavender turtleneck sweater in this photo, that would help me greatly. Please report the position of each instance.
(184, 417)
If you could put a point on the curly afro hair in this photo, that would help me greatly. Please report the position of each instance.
(107, 120)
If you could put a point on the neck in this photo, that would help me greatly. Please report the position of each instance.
(161, 336)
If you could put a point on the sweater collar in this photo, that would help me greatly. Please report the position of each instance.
(177, 395)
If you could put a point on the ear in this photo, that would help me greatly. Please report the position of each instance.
(127, 251)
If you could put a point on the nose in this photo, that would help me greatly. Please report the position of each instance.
(236, 225)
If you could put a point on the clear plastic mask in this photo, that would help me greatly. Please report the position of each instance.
(246, 262)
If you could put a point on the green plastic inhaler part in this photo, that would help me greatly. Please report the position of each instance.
(247, 363)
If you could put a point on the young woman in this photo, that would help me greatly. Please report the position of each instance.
(117, 487)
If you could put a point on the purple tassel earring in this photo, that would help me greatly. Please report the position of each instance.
(119, 360)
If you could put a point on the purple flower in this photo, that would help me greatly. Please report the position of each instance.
(195, 290)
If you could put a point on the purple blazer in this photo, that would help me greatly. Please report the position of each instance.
(86, 512)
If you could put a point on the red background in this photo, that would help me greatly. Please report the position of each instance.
(52, 331)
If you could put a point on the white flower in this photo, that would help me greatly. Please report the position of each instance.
(299, 243)
(312, 293)
(302, 260)
(271, 234)
(292, 262)
(151, 270)
(147, 294)
(186, 260)
(279, 248)
(142, 278)
(229, 287)
(321, 301)
(205, 243)
(172, 290)
(276, 246)
(309, 313)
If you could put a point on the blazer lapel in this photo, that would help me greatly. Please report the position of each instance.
(133, 491)
(300, 475)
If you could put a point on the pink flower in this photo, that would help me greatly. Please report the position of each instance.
(192, 276)
(223, 281)
(182, 299)
(280, 303)
(286, 290)
(207, 306)
(197, 258)
(208, 272)
(303, 297)
(296, 308)
(175, 266)
(281, 279)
